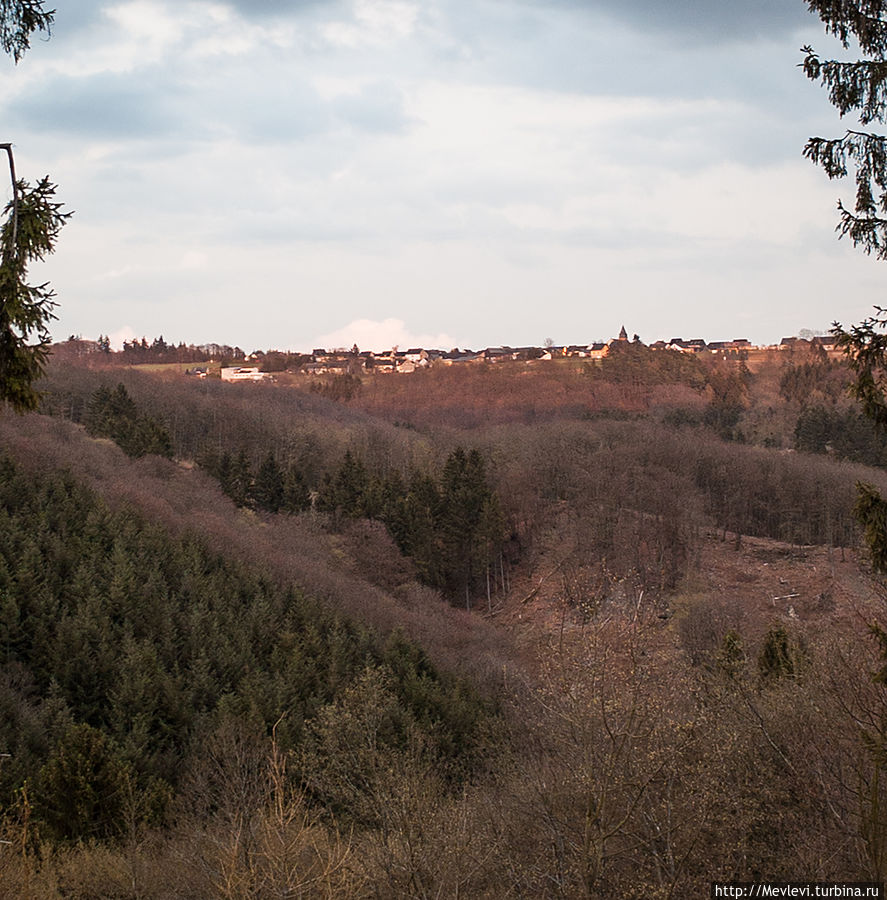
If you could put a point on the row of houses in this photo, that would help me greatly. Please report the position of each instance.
(356, 362)
(325, 362)
(337, 362)
(697, 345)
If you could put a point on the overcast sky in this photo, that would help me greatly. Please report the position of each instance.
(303, 173)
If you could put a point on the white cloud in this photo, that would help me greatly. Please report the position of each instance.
(193, 259)
(378, 336)
(147, 22)
(112, 274)
(133, 35)
(125, 333)
(736, 204)
(376, 23)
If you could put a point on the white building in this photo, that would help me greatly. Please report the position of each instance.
(242, 373)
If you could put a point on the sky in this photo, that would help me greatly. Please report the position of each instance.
(292, 174)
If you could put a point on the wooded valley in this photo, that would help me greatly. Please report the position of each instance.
(508, 630)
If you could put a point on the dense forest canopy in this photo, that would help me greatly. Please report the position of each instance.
(121, 643)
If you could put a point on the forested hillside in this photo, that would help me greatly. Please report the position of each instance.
(259, 642)
(639, 483)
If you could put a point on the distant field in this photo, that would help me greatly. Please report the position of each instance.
(212, 368)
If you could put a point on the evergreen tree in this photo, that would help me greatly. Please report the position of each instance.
(843, 432)
(730, 659)
(268, 487)
(80, 793)
(777, 658)
(240, 479)
(234, 474)
(391, 492)
(813, 430)
(352, 486)
(114, 414)
(465, 496)
(221, 467)
(296, 496)
(29, 233)
(413, 520)
(858, 88)
(458, 519)
(488, 546)
(348, 491)
(871, 511)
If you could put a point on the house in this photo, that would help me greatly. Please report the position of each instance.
(385, 362)
(697, 345)
(832, 348)
(817, 343)
(527, 353)
(242, 373)
(410, 360)
(460, 357)
(333, 362)
(598, 350)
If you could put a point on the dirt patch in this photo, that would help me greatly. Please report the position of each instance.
(752, 584)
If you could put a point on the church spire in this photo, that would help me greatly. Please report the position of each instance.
(623, 334)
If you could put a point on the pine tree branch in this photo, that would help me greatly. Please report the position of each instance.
(865, 21)
(19, 19)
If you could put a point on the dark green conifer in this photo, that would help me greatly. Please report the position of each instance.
(28, 234)
(240, 479)
(79, 794)
(268, 487)
(775, 659)
(465, 528)
(347, 492)
(115, 415)
(296, 496)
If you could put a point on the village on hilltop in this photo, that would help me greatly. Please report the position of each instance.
(405, 362)
(233, 364)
